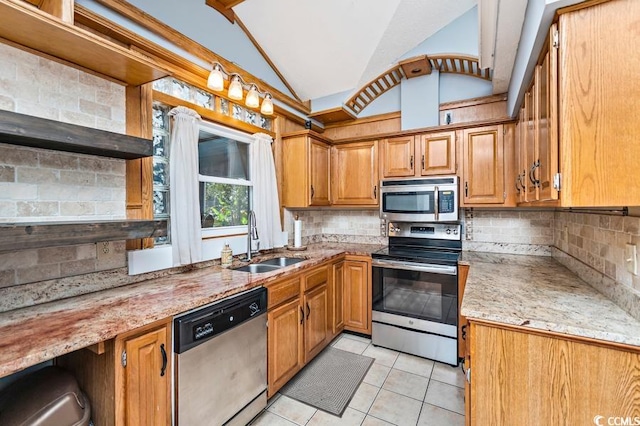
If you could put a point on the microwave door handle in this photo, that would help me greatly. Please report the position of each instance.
(435, 200)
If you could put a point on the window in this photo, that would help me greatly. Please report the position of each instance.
(161, 137)
(223, 158)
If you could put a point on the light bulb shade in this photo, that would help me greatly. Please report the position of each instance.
(235, 89)
(215, 81)
(253, 99)
(267, 105)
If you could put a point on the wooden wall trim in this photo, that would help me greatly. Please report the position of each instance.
(180, 40)
(473, 102)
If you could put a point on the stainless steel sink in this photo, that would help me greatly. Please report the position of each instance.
(256, 268)
(282, 261)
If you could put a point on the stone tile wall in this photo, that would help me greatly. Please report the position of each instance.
(508, 231)
(39, 185)
(352, 226)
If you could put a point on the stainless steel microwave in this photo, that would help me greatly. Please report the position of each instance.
(419, 199)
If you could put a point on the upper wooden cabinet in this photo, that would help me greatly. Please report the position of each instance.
(487, 165)
(586, 79)
(306, 165)
(355, 174)
(437, 153)
(398, 157)
(419, 155)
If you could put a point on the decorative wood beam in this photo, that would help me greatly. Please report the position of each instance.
(23, 236)
(225, 11)
(62, 9)
(27, 130)
(180, 40)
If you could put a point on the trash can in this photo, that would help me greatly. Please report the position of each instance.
(47, 397)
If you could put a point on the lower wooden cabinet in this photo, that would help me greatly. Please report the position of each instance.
(315, 322)
(357, 294)
(284, 343)
(527, 377)
(336, 300)
(128, 380)
(298, 323)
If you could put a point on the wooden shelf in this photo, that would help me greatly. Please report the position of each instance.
(24, 236)
(26, 130)
(333, 115)
(25, 25)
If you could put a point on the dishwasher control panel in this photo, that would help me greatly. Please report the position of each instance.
(201, 325)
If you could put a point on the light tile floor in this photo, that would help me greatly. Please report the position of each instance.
(399, 389)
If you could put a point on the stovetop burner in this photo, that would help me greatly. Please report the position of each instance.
(437, 256)
(438, 244)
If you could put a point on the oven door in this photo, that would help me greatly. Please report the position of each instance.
(423, 292)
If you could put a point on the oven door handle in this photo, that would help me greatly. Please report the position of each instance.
(409, 266)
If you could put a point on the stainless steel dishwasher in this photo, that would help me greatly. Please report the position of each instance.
(221, 361)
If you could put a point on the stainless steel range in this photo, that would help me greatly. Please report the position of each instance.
(415, 290)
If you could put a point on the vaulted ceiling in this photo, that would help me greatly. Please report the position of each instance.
(331, 46)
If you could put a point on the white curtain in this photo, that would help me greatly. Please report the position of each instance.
(186, 240)
(266, 204)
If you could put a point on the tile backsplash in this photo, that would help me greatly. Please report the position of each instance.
(38, 185)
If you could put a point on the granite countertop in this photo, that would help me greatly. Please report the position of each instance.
(39, 333)
(539, 293)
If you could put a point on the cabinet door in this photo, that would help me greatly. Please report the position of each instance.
(357, 296)
(355, 173)
(336, 298)
(463, 332)
(483, 151)
(146, 378)
(319, 173)
(546, 130)
(398, 157)
(284, 342)
(315, 322)
(520, 147)
(438, 153)
(531, 148)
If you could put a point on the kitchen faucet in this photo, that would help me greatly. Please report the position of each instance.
(252, 235)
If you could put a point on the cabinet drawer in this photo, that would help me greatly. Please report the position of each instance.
(315, 278)
(282, 291)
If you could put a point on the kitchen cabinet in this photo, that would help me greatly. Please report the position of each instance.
(298, 323)
(463, 272)
(397, 157)
(355, 174)
(306, 170)
(357, 294)
(589, 87)
(336, 300)
(532, 377)
(315, 305)
(284, 342)
(420, 155)
(488, 163)
(128, 381)
(437, 153)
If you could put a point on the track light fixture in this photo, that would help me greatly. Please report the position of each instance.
(236, 85)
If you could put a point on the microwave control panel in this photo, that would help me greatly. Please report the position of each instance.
(446, 201)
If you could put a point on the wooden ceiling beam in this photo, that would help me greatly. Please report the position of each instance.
(225, 11)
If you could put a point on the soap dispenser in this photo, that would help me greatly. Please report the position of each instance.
(226, 256)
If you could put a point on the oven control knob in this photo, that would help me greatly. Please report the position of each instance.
(448, 231)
